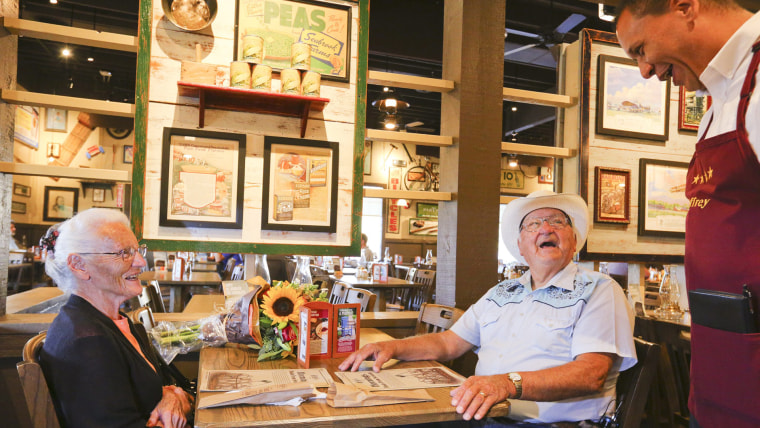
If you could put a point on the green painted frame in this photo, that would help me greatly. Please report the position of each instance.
(141, 131)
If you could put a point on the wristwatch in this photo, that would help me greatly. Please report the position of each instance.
(517, 382)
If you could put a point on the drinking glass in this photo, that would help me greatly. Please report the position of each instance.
(670, 293)
(260, 267)
(302, 275)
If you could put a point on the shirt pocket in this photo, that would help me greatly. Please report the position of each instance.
(554, 334)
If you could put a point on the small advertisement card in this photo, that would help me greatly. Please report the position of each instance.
(380, 272)
(346, 337)
(315, 332)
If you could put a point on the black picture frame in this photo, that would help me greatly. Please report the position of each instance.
(277, 56)
(640, 113)
(661, 194)
(205, 159)
(300, 185)
(129, 154)
(60, 203)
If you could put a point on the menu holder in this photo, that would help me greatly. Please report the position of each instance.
(380, 272)
(346, 331)
(316, 331)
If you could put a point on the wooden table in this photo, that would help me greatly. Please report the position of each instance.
(26, 299)
(377, 287)
(317, 413)
(178, 288)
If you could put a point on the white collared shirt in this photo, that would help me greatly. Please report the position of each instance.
(514, 328)
(723, 78)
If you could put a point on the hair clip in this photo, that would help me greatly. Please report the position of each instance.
(51, 236)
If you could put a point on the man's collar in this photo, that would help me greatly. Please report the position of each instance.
(563, 279)
(725, 64)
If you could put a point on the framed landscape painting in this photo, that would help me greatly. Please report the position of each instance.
(662, 199)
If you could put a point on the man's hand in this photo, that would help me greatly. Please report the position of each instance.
(478, 393)
(172, 410)
(380, 352)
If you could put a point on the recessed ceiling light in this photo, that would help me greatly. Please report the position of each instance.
(90, 59)
(53, 1)
(66, 52)
(514, 108)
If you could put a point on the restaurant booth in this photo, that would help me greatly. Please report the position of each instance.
(282, 171)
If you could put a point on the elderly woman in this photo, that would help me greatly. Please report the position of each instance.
(99, 372)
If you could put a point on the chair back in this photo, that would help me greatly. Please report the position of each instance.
(39, 402)
(152, 298)
(436, 318)
(423, 293)
(364, 297)
(144, 316)
(338, 292)
(237, 273)
(633, 384)
(228, 269)
(410, 274)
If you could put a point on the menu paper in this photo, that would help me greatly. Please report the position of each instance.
(268, 394)
(231, 380)
(389, 380)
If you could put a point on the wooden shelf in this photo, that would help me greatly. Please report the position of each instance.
(406, 81)
(408, 137)
(86, 105)
(533, 150)
(66, 34)
(540, 98)
(65, 172)
(248, 100)
(407, 194)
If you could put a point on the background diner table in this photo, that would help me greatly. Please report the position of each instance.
(377, 287)
(316, 413)
(179, 291)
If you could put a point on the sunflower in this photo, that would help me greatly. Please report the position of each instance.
(282, 304)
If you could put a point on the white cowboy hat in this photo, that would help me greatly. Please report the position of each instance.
(571, 204)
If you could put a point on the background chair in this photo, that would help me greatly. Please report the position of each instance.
(144, 316)
(228, 269)
(237, 273)
(338, 292)
(424, 293)
(152, 298)
(39, 402)
(633, 385)
(435, 318)
(364, 297)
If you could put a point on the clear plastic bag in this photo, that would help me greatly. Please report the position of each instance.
(172, 338)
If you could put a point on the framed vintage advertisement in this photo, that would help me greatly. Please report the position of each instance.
(423, 227)
(612, 202)
(129, 154)
(98, 195)
(426, 210)
(202, 179)
(272, 32)
(662, 199)
(691, 109)
(629, 105)
(55, 119)
(22, 190)
(300, 185)
(26, 127)
(18, 207)
(60, 203)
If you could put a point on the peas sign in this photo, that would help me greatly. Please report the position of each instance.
(325, 27)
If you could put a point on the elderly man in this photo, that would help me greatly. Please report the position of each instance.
(712, 45)
(552, 341)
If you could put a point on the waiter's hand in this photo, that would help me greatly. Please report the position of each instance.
(475, 396)
(380, 352)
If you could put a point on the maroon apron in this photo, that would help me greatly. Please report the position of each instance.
(723, 253)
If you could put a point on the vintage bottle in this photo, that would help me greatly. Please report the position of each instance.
(302, 274)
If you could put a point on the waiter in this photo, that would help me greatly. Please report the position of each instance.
(712, 45)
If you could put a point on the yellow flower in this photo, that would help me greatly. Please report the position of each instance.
(282, 304)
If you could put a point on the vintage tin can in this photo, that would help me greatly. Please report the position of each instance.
(310, 84)
(240, 74)
(300, 56)
(262, 77)
(253, 49)
(291, 81)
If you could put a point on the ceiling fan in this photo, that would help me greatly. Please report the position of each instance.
(548, 38)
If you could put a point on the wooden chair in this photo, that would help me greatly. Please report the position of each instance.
(423, 293)
(39, 402)
(364, 297)
(237, 273)
(633, 385)
(228, 269)
(152, 298)
(144, 316)
(436, 318)
(338, 292)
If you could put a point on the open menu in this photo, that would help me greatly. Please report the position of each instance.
(266, 394)
(232, 380)
(412, 378)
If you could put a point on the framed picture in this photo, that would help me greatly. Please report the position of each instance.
(300, 185)
(318, 29)
(425, 210)
(612, 203)
(60, 203)
(129, 154)
(423, 227)
(629, 105)
(26, 128)
(662, 199)
(202, 179)
(691, 109)
(55, 119)
(98, 195)
(22, 190)
(368, 158)
(18, 207)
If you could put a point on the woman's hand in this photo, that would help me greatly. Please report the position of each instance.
(172, 410)
(475, 396)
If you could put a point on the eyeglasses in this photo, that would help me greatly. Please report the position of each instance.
(128, 253)
(555, 222)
